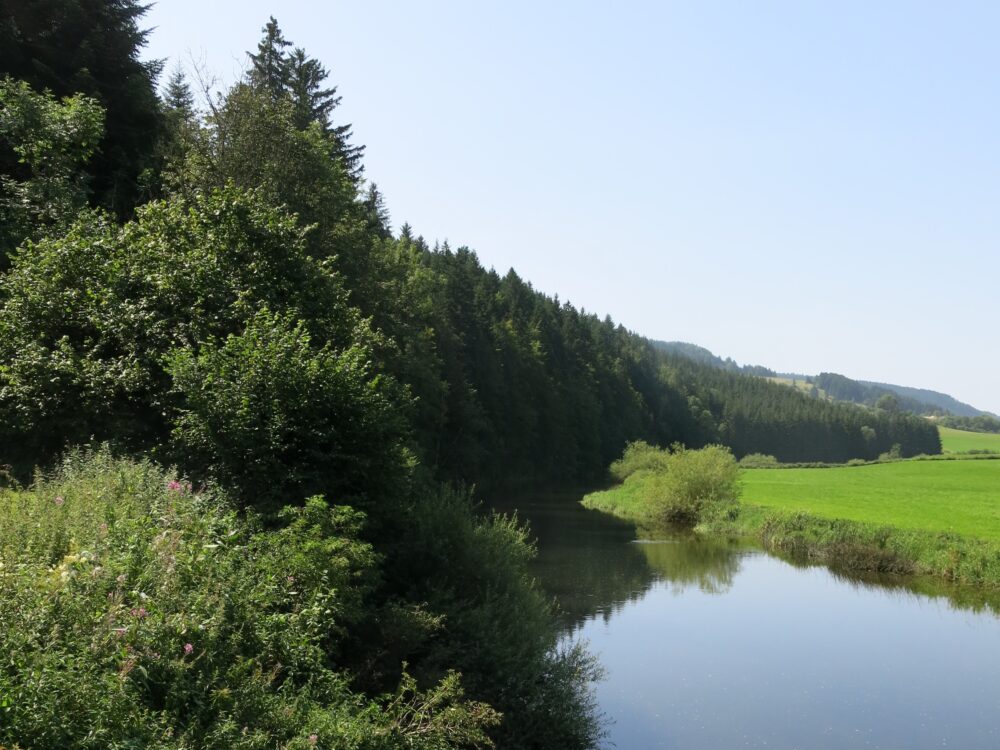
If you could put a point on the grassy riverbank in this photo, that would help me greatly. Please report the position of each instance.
(930, 517)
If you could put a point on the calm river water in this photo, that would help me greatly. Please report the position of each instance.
(714, 644)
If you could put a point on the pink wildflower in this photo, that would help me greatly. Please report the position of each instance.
(174, 486)
(188, 649)
(313, 739)
(139, 612)
(59, 500)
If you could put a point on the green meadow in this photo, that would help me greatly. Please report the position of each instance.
(959, 497)
(962, 441)
(930, 517)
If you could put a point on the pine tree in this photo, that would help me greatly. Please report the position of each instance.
(270, 66)
(377, 213)
(301, 78)
(305, 80)
(177, 96)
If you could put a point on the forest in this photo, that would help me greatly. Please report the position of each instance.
(207, 315)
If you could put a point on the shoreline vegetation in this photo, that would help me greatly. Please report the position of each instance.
(892, 517)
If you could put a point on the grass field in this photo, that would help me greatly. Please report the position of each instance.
(961, 441)
(961, 497)
(934, 517)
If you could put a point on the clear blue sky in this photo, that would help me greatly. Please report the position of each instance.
(808, 186)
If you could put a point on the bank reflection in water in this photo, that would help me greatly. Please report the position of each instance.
(711, 644)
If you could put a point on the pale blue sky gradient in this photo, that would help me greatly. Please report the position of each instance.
(808, 186)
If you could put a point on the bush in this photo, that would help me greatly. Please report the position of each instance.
(274, 419)
(137, 613)
(758, 461)
(696, 485)
(639, 456)
(498, 629)
(893, 454)
(88, 318)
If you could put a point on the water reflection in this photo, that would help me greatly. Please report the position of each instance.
(710, 643)
(686, 560)
(586, 560)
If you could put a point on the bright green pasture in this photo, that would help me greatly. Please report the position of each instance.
(955, 496)
(961, 441)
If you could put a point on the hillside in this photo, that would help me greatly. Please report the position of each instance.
(833, 386)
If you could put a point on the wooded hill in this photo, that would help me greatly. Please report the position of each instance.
(835, 387)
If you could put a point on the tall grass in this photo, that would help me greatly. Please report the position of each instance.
(138, 612)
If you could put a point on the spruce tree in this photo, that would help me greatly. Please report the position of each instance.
(177, 96)
(270, 66)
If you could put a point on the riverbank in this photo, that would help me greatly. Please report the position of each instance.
(911, 517)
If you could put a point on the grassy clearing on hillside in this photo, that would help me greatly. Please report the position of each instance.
(962, 441)
(960, 497)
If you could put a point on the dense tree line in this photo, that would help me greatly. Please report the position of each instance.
(753, 415)
(983, 423)
(226, 295)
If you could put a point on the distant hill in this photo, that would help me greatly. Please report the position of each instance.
(942, 401)
(835, 387)
(703, 356)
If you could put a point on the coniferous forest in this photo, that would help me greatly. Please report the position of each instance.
(209, 325)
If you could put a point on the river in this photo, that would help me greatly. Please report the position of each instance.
(713, 644)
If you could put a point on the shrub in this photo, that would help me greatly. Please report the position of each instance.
(88, 317)
(498, 629)
(893, 454)
(639, 456)
(758, 461)
(696, 485)
(274, 419)
(137, 613)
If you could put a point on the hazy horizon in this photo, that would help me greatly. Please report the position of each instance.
(809, 189)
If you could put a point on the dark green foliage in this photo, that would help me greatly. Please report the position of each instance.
(497, 629)
(269, 67)
(92, 47)
(89, 318)
(47, 143)
(639, 456)
(254, 143)
(703, 356)
(300, 79)
(753, 415)
(177, 96)
(276, 419)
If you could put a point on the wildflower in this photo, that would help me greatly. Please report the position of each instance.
(59, 500)
(313, 739)
(103, 528)
(139, 612)
(188, 649)
(174, 486)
